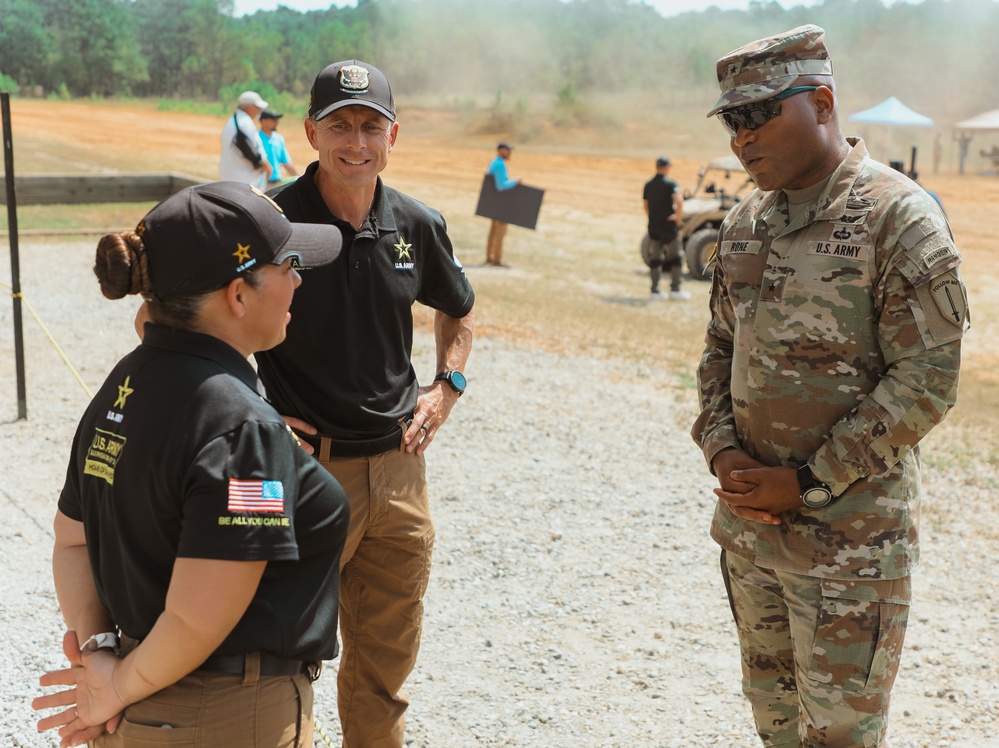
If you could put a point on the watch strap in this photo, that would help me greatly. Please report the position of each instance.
(105, 640)
(805, 478)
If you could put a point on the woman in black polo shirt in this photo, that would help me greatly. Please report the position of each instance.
(190, 521)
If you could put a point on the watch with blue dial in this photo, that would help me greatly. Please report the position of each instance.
(455, 379)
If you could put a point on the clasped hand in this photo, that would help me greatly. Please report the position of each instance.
(753, 491)
(92, 705)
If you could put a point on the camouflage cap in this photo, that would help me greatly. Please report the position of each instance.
(760, 69)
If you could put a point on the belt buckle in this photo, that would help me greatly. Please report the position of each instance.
(314, 670)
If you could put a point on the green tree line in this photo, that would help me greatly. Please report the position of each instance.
(941, 53)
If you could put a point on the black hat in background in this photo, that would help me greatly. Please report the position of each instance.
(662, 161)
(504, 144)
(270, 114)
(350, 83)
(204, 236)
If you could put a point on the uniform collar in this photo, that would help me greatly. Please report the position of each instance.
(831, 203)
(380, 219)
(199, 344)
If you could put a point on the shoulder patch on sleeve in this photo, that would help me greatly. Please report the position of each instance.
(928, 251)
(940, 308)
(948, 293)
(913, 235)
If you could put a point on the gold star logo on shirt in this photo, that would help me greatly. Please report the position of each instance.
(403, 250)
(242, 253)
(123, 392)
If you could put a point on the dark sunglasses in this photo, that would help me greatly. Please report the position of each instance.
(757, 114)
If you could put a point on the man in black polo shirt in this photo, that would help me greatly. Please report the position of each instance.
(344, 380)
(663, 249)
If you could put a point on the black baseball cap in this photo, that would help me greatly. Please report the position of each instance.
(662, 161)
(504, 144)
(351, 83)
(270, 114)
(204, 236)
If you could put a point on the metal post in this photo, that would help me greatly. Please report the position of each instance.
(15, 264)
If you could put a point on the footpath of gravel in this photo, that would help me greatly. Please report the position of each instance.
(575, 599)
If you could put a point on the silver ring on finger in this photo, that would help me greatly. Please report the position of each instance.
(425, 428)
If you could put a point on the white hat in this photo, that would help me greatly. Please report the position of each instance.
(251, 98)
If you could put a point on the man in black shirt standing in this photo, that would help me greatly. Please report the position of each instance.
(344, 380)
(664, 247)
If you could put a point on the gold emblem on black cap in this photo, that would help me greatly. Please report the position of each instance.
(242, 253)
(354, 77)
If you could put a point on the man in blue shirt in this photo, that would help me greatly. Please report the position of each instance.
(497, 229)
(275, 148)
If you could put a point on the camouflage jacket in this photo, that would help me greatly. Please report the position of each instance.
(835, 341)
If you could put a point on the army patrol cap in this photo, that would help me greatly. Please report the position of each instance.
(204, 236)
(768, 66)
(350, 83)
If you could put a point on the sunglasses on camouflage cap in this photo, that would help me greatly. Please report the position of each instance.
(757, 114)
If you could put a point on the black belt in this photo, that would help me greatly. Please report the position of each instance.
(326, 446)
(269, 665)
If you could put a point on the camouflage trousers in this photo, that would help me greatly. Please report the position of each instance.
(819, 656)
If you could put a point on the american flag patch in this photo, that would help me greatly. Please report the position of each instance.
(256, 495)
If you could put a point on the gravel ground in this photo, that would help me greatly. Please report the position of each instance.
(575, 599)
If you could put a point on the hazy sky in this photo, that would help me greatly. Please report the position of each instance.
(666, 7)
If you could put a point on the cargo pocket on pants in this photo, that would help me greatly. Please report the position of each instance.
(858, 642)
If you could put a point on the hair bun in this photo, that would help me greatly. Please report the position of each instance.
(121, 265)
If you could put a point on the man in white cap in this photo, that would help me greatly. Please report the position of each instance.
(243, 156)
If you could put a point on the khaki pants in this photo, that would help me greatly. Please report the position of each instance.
(819, 656)
(494, 244)
(384, 573)
(208, 710)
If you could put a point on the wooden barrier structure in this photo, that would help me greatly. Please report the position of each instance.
(73, 189)
(64, 189)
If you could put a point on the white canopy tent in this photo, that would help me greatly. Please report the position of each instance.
(968, 127)
(983, 121)
(891, 113)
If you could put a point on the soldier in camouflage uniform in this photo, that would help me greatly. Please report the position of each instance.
(837, 313)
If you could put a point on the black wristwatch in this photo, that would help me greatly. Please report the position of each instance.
(455, 379)
(814, 492)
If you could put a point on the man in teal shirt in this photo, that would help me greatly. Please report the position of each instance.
(497, 229)
(275, 148)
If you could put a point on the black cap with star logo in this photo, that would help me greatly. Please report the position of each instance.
(204, 236)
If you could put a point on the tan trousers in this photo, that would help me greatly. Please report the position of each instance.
(384, 573)
(208, 710)
(494, 244)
